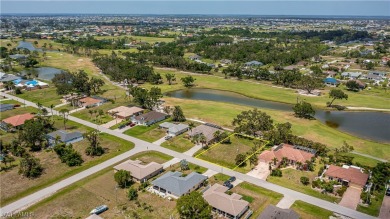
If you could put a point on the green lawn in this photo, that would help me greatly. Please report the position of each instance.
(9, 101)
(375, 206)
(149, 156)
(45, 96)
(179, 143)
(311, 129)
(15, 187)
(225, 154)
(291, 180)
(309, 211)
(258, 198)
(148, 133)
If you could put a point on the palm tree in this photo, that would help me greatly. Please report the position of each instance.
(57, 139)
(217, 135)
(299, 165)
(202, 140)
(51, 109)
(101, 114)
(90, 112)
(167, 110)
(275, 160)
(191, 125)
(64, 113)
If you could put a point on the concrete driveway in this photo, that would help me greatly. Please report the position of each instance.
(385, 209)
(351, 197)
(111, 123)
(261, 171)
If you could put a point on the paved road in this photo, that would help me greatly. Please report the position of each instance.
(142, 145)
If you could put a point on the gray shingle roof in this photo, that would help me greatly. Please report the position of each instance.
(150, 116)
(65, 136)
(177, 185)
(278, 213)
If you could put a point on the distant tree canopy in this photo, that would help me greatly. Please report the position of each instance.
(251, 121)
(147, 99)
(79, 82)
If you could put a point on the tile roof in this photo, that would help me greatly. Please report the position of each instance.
(173, 182)
(287, 151)
(350, 173)
(278, 213)
(231, 204)
(138, 170)
(125, 111)
(206, 130)
(18, 119)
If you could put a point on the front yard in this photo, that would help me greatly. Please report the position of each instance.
(178, 143)
(147, 133)
(308, 211)
(149, 156)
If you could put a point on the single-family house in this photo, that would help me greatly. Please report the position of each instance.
(347, 175)
(64, 137)
(174, 129)
(124, 112)
(293, 154)
(8, 77)
(226, 61)
(15, 121)
(373, 77)
(278, 213)
(228, 206)
(149, 118)
(195, 57)
(253, 64)
(173, 184)
(90, 102)
(5, 107)
(379, 73)
(206, 130)
(140, 172)
(351, 75)
(331, 82)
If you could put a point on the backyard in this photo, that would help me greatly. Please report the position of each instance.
(148, 133)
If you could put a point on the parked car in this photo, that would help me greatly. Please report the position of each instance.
(388, 191)
(98, 210)
(228, 184)
(122, 126)
(132, 124)
(232, 179)
(168, 137)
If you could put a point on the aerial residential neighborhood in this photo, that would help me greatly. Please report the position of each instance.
(195, 109)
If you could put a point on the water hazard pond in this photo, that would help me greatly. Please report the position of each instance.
(369, 125)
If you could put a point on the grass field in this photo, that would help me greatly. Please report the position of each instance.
(45, 96)
(149, 156)
(139, 38)
(15, 186)
(311, 129)
(259, 198)
(266, 91)
(225, 154)
(148, 133)
(77, 200)
(293, 176)
(308, 211)
(179, 143)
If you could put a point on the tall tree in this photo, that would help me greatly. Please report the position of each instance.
(193, 206)
(178, 115)
(123, 178)
(304, 110)
(30, 167)
(188, 81)
(336, 94)
(94, 148)
(309, 83)
(170, 77)
(251, 121)
(65, 114)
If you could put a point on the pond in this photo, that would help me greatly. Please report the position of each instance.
(44, 73)
(370, 125)
(27, 45)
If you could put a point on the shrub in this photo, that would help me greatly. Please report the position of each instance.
(123, 178)
(365, 197)
(30, 167)
(341, 191)
(321, 170)
(132, 194)
(305, 181)
(68, 154)
(276, 172)
(18, 90)
(316, 183)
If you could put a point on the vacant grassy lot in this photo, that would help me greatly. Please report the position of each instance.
(77, 200)
(223, 114)
(178, 143)
(291, 180)
(149, 156)
(225, 154)
(266, 91)
(308, 211)
(257, 197)
(147, 133)
(17, 111)
(15, 186)
(45, 96)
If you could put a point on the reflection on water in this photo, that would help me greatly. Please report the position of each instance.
(44, 73)
(371, 125)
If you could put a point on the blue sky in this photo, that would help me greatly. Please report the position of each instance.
(254, 7)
